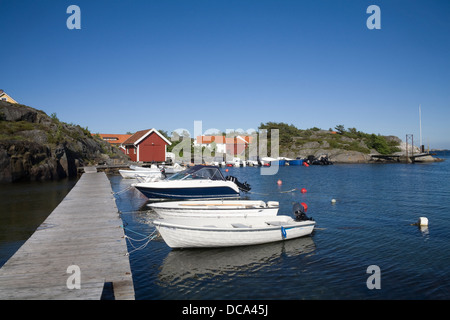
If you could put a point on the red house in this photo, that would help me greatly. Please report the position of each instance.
(146, 146)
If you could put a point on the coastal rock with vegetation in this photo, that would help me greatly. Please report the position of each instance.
(341, 145)
(35, 146)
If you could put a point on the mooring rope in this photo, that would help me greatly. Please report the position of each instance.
(124, 190)
(268, 194)
(148, 238)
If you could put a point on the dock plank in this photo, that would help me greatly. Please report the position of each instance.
(84, 230)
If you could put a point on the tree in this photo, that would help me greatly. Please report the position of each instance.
(340, 129)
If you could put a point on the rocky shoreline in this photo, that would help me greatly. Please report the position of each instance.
(319, 144)
(35, 146)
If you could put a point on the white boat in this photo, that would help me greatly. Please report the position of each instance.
(196, 233)
(138, 168)
(236, 162)
(173, 169)
(136, 172)
(198, 182)
(215, 209)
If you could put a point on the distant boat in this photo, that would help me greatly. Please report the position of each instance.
(273, 161)
(136, 172)
(295, 162)
(236, 162)
(173, 169)
(197, 182)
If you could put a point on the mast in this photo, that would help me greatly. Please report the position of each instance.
(420, 127)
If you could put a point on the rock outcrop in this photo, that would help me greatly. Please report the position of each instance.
(35, 146)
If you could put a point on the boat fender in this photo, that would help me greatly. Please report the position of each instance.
(283, 233)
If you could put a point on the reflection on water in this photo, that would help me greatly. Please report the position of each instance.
(24, 206)
(370, 224)
(201, 264)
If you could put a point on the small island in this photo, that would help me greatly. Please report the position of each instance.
(343, 145)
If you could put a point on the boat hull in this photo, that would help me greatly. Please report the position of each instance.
(186, 190)
(191, 236)
(215, 209)
(296, 162)
(133, 174)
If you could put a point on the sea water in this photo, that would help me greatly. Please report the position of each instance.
(371, 223)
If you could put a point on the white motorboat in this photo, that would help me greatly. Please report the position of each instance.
(139, 168)
(225, 232)
(152, 174)
(198, 182)
(236, 162)
(173, 169)
(201, 232)
(215, 209)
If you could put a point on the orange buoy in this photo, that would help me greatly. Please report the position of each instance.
(303, 190)
(279, 182)
(226, 170)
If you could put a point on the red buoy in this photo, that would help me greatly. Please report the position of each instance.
(303, 190)
(279, 182)
(304, 206)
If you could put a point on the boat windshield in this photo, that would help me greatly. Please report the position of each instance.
(199, 172)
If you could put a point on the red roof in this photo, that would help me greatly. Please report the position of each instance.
(139, 135)
(113, 138)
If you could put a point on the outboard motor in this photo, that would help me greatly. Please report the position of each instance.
(299, 211)
(242, 186)
(163, 172)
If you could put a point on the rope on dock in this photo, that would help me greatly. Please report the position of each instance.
(148, 238)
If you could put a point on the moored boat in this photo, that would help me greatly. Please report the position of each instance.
(219, 232)
(151, 174)
(224, 233)
(295, 162)
(215, 208)
(198, 182)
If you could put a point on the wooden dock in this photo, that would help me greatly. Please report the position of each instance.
(82, 239)
(399, 157)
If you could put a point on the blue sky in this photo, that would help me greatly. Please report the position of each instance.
(232, 64)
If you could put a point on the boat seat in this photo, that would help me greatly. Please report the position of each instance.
(274, 223)
(240, 225)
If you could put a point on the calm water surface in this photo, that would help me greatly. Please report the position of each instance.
(24, 206)
(370, 224)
